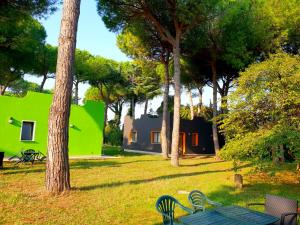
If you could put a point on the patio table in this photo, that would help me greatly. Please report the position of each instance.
(229, 215)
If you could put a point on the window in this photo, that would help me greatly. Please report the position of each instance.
(27, 131)
(133, 136)
(195, 139)
(155, 137)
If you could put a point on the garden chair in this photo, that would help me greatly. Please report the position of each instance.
(40, 156)
(28, 156)
(283, 208)
(165, 205)
(198, 201)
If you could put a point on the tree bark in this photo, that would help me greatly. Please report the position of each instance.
(43, 82)
(57, 166)
(76, 92)
(282, 158)
(224, 103)
(105, 115)
(146, 107)
(133, 108)
(191, 103)
(275, 158)
(2, 89)
(200, 90)
(215, 107)
(176, 116)
(164, 126)
(119, 114)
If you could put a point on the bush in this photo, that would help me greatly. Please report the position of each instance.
(113, 136)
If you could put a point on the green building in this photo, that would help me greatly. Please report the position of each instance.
(24, 125)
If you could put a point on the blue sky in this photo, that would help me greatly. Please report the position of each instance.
(94, 37)
(92, 34)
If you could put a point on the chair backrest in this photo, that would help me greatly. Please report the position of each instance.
(28, 155)
(197, 200)
(276, 206)
(165, 205)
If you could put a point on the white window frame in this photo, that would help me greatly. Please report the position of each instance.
(152, 136)
(33, 133)
(131, 140)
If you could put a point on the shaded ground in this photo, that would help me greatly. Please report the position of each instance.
(124, 190)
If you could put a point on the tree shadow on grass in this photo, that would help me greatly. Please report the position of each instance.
(201, 164)
(103, 162)
(17, 170)
(256, 192)
(136, 182)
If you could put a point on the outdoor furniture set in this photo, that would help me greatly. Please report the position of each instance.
(29, 155)
(278, 211)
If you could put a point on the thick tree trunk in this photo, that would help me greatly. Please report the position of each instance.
(191, 103)
(215, 107)
(57, 166)
(76, 92)
(2, 89)
(43, 82)
(176, 116)
(146, 107)
(164, 137)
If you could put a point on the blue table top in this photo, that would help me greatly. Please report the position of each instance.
(229, 215)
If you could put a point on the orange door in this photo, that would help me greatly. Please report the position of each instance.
(181, 143)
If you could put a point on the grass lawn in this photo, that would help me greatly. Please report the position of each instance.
(124, 190)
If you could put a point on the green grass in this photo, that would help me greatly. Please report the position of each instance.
(124, 190)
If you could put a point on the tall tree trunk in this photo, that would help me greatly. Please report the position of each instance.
(119, 114)
(176, 116)
(133, 108)
(57, 166)
(224, 104)
(76, 92)
(43, 82)
(164, 126)
(2, 89)
(215, 107)
(200, 90)
(105, 114)
(105, 122)
(191, 102)
(282, 158)
(146, 107)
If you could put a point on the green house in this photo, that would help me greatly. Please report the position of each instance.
(24, 125)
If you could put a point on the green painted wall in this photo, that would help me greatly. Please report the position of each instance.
(85, 137)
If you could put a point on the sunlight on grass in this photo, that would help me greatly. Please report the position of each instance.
(124, 190)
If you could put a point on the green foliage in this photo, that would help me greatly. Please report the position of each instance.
(31, 7)
(113, 134)
(81, 65)
(20, 39)
(21, 87)
(264, 110)
(44, 60)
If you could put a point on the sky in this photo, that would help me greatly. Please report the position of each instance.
(93, 36)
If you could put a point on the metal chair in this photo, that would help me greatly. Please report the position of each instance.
(165, 205)
(198, 201)
(283, 208)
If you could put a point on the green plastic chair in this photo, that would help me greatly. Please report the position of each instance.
(199, 200)
(165, 205)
